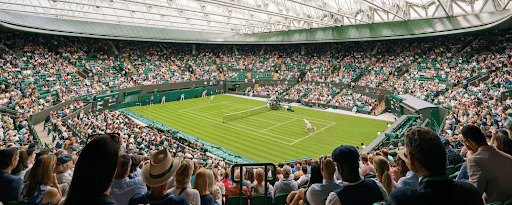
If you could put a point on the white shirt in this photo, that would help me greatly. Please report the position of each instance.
(333, 199)
(191, 194)
(317, 192)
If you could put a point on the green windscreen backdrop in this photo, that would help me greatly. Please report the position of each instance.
(106, 102)
(132, 95)
(174, 95)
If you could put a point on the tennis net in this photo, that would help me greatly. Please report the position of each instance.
(243, 114)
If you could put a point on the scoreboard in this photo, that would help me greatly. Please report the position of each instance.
(106, 102)
(396, 108)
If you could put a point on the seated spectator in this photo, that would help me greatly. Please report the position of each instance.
(123, 187)
(201, 185)
(410, 178)
(298, 173)
(453, 157)
(317, 192)
(134, 168)
(156, 174)
(427, 158)
(304, 179)
(485, 167)
(94, 171)
(355, 190)
(213, 186)
(259, 186)
(367, 168)
(299, 197)
(234, 189)
(22, 166)
(382, 167)
(225, 179)
(9, 185)
(503, 143)
(42, 186)
(286, 184)
(181, 184)
(63, 168)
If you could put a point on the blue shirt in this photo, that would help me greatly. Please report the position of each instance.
(10, 187)
(167, 199)
(206, 199)
(410, 180)
(122, 190)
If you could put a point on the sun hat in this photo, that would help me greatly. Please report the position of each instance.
(401, 152)
(160, 169)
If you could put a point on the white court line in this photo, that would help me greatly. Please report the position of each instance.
(198, 115)
(202, 106)
(280, 124)
(220, 110)
(312, 134)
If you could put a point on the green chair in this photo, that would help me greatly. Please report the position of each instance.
(451, 169)
(260, 200)
(280, 199)
(371, 176)
(16, 203)
(235, 200)
(509, 202)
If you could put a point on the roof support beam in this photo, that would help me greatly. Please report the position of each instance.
(506, 4)
(384, 9)
(327, 10)
(444, 7)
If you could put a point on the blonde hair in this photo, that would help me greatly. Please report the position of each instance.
(184, 174)
(259, 175)
(382, 167)
(211, 184)
(41, 173)
(201, 182)
(63, 167)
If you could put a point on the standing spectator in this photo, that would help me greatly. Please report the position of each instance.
(123, 187)
(286, 184)
(427, 158)
(156, 174)
(410, 178)
(181, 184)
(201, 185)
(485, 167)
(368, 169)
(94, 171)
(383, 175)
(42, 186)
(317, 192)
(355, 190)
(9, 185)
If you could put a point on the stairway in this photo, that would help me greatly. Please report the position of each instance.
(256, 86)
(193, 77)
(217, 60)
(337, 95)
(96, 78)
(130, 64)
(248, 75)
(380, 108)
(276, 76)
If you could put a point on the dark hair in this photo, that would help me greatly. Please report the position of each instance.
(316, 174)
(95, 169)
(473, 133)
(30, 152)
(250, 175)
(401, 166)
(22, 163)
(135, 163)
(304, 169)
(6, 156)
(427, 148)
(488, 134)
(124, 165)
(42, 152)
(503, 143)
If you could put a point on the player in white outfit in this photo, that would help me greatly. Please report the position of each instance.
(212, 99)
(204, 94)
(309, 127)
(163, 100)
(182, 97)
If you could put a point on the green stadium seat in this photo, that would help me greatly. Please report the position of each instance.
(508, 202)
(280, 199)
(235, 200)
(260, 200)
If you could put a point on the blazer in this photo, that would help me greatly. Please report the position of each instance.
(490, 171)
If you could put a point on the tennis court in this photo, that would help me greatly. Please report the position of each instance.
(270, 136)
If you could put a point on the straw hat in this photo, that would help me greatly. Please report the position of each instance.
(161, 168)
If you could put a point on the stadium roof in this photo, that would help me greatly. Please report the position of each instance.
(250, 16)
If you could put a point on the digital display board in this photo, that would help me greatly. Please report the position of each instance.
(106, 102)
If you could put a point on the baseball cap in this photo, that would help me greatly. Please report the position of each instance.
(65, 158)
(347, 155)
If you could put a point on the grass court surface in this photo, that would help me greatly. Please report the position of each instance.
(274, 136)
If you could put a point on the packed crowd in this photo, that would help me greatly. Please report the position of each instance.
(270, 90)
(350, 99)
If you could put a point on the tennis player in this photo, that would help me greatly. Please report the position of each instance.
(204, 94)
(309, 127)
(182, 97)
(212, 99)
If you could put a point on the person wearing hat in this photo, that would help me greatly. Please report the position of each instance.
(426, 156)
(156, 174)
(354, 190)
(410, 179)
(487, 167)
(63, 168)
(285, 184)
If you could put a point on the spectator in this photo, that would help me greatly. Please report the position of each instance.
(156, 174)
(368, 169)
(485, 167)
(317, 192)
(181, 184)
(123, 187)
(452, 156)
(225, 179)
(9, 184)
(259, 186)
(409, 179)
(201, 185)
(355, 190)
(213, 186)
(382, 168)
(234, 189)
(94, 171)
(427, 158)
(298, 173)
(304, 179)
(386, 156)
(299, 197)
(134, 168)
(42, 186)
(286, 184)
(22, 166)
(503, 143)
(63, 168)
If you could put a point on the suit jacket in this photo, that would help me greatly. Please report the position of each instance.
(490, 171)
